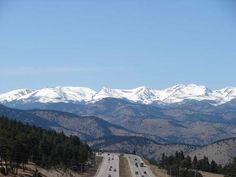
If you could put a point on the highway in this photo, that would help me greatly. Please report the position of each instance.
(136, 169)
(109, 166)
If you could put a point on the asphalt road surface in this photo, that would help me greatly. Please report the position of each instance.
(136, 169)
(109, 166)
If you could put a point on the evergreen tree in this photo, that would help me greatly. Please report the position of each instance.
(213, 167)
(20, 143)
(180, 166)
(230, 170)
(186, 163)
(195, 162)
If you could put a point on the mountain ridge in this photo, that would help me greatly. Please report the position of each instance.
(142, 95)
(86, 127)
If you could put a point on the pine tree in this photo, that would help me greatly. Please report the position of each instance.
(213, 166)
(195, 161)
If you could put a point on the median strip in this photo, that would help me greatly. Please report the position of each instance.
(124, 167)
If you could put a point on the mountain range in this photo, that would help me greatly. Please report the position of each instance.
(142, 95)
(187, 114)
(191, 118)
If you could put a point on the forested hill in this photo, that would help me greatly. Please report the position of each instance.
(20, 143)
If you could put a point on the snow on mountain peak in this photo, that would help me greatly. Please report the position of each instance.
(139, 94)
(14, 95)
(143, 95)
(57, 94)
(226, 94)
(179, 93)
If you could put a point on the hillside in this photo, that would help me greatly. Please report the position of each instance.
(26, 117)
(143, 146)
(86, 127)
(222, 152)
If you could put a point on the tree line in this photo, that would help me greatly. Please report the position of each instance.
(21, 143)
(179, 165)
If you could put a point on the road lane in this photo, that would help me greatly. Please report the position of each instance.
(109, 166)
(136, 169)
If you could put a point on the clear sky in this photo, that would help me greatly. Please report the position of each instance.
(117, 43)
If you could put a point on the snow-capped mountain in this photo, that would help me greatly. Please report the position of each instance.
(180, 93)
(14, 95)
(60, 94)
(49, 95)
(143, 95)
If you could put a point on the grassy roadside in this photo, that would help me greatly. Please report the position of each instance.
(30, 168)
(162, 173)
(155, 170)
(124, 167)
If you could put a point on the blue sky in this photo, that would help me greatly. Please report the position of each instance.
(117, 44)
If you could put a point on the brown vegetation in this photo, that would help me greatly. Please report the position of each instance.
(124, 167)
